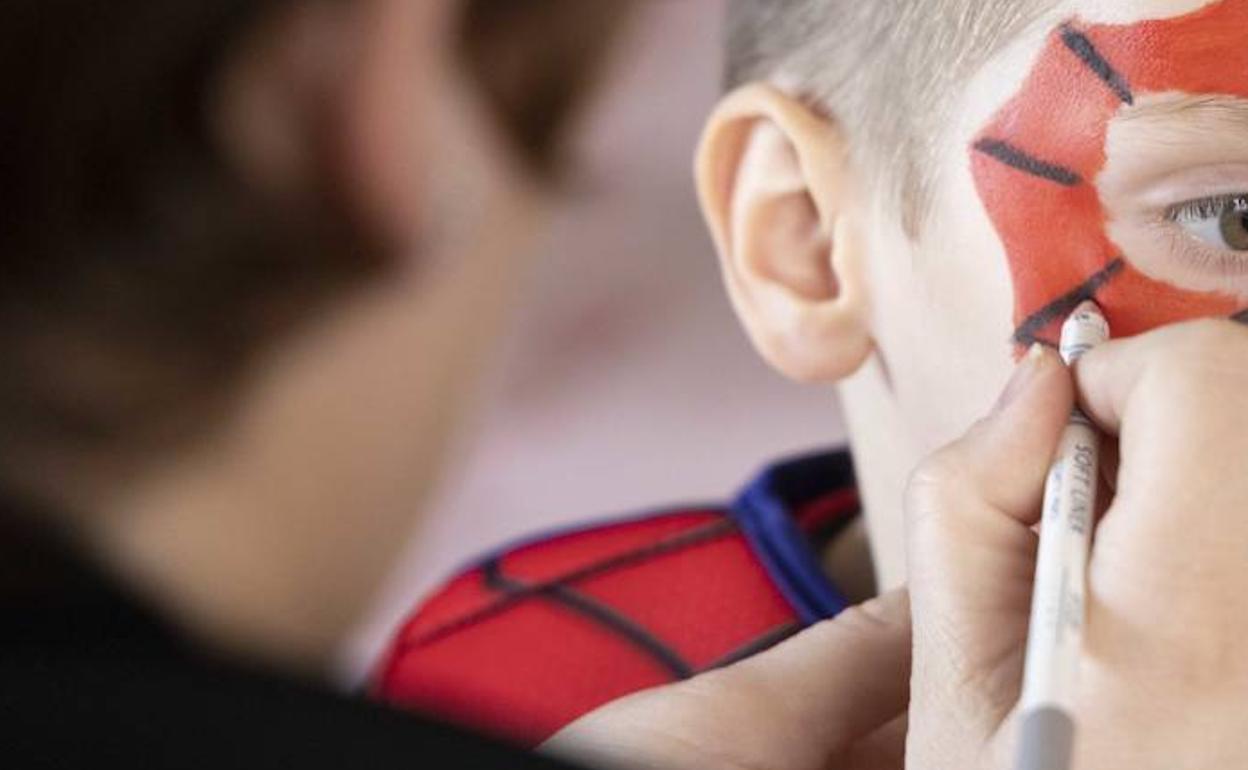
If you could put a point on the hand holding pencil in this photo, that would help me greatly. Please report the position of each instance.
(1059, 599)
(1162, 662)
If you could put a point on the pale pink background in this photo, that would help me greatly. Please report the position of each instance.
(626, 382)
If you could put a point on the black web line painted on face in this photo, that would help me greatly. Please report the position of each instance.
(605, 616)
(1066, 304)
(1081, 46)
(1085, 50)
(1029, 164)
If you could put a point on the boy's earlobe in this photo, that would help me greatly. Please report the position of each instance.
(776, 191)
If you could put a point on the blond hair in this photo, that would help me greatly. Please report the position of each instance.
(887, 70)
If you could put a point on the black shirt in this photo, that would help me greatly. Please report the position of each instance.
(89, 678)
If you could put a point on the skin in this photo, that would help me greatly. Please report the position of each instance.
(1151, 694)
(920, 337)
(1162, 676)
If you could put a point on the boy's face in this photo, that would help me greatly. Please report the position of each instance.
(1101, 155)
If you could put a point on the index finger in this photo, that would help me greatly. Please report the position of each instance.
(1177, 398)
(1180, 362)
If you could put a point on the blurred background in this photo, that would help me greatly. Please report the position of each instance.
(625, 383)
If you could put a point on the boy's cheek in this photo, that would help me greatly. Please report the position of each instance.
(1036, 163)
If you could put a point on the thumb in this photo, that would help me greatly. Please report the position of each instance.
(841, 679)
(793, 707)
(971, 510)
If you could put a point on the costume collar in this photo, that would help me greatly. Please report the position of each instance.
(768, 513)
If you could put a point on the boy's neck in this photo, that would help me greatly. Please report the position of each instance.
(847, 563)
(885, 453)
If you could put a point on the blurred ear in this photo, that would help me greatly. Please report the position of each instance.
(775, 187)
(328, 99)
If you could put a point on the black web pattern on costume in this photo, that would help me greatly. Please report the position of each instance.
(563, 592)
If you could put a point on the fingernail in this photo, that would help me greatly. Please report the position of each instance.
(1024, 374)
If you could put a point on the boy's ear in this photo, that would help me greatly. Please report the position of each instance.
(774, 183)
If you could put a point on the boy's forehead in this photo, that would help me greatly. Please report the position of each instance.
(1000, 78)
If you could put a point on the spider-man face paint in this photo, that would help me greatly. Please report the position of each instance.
(1035, 165)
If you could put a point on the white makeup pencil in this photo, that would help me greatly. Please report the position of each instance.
(1047, 727)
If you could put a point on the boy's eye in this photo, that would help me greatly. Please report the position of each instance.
(1220, 222)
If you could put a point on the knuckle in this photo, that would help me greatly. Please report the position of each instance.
(933, 482)
(935, 471)
(859, 622)
(882, 614)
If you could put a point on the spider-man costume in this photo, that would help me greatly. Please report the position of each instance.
(536, 635)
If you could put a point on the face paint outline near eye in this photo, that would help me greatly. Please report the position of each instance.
(1063, 241)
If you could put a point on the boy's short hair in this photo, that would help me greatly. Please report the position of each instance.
(886, 69)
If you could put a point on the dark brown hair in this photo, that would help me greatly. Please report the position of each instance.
(139, 276)
(537, 61)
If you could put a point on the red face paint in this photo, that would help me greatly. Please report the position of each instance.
(1036, 163)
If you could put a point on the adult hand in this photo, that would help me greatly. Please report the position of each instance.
(1165, 668)
(832, 697)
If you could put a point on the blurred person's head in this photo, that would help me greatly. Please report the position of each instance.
(905, 194)
(252, 251)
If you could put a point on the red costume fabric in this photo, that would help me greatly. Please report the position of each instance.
(536, 635)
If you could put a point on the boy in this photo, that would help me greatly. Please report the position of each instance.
(905, 196)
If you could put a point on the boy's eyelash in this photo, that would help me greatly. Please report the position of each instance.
(1207, 208)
